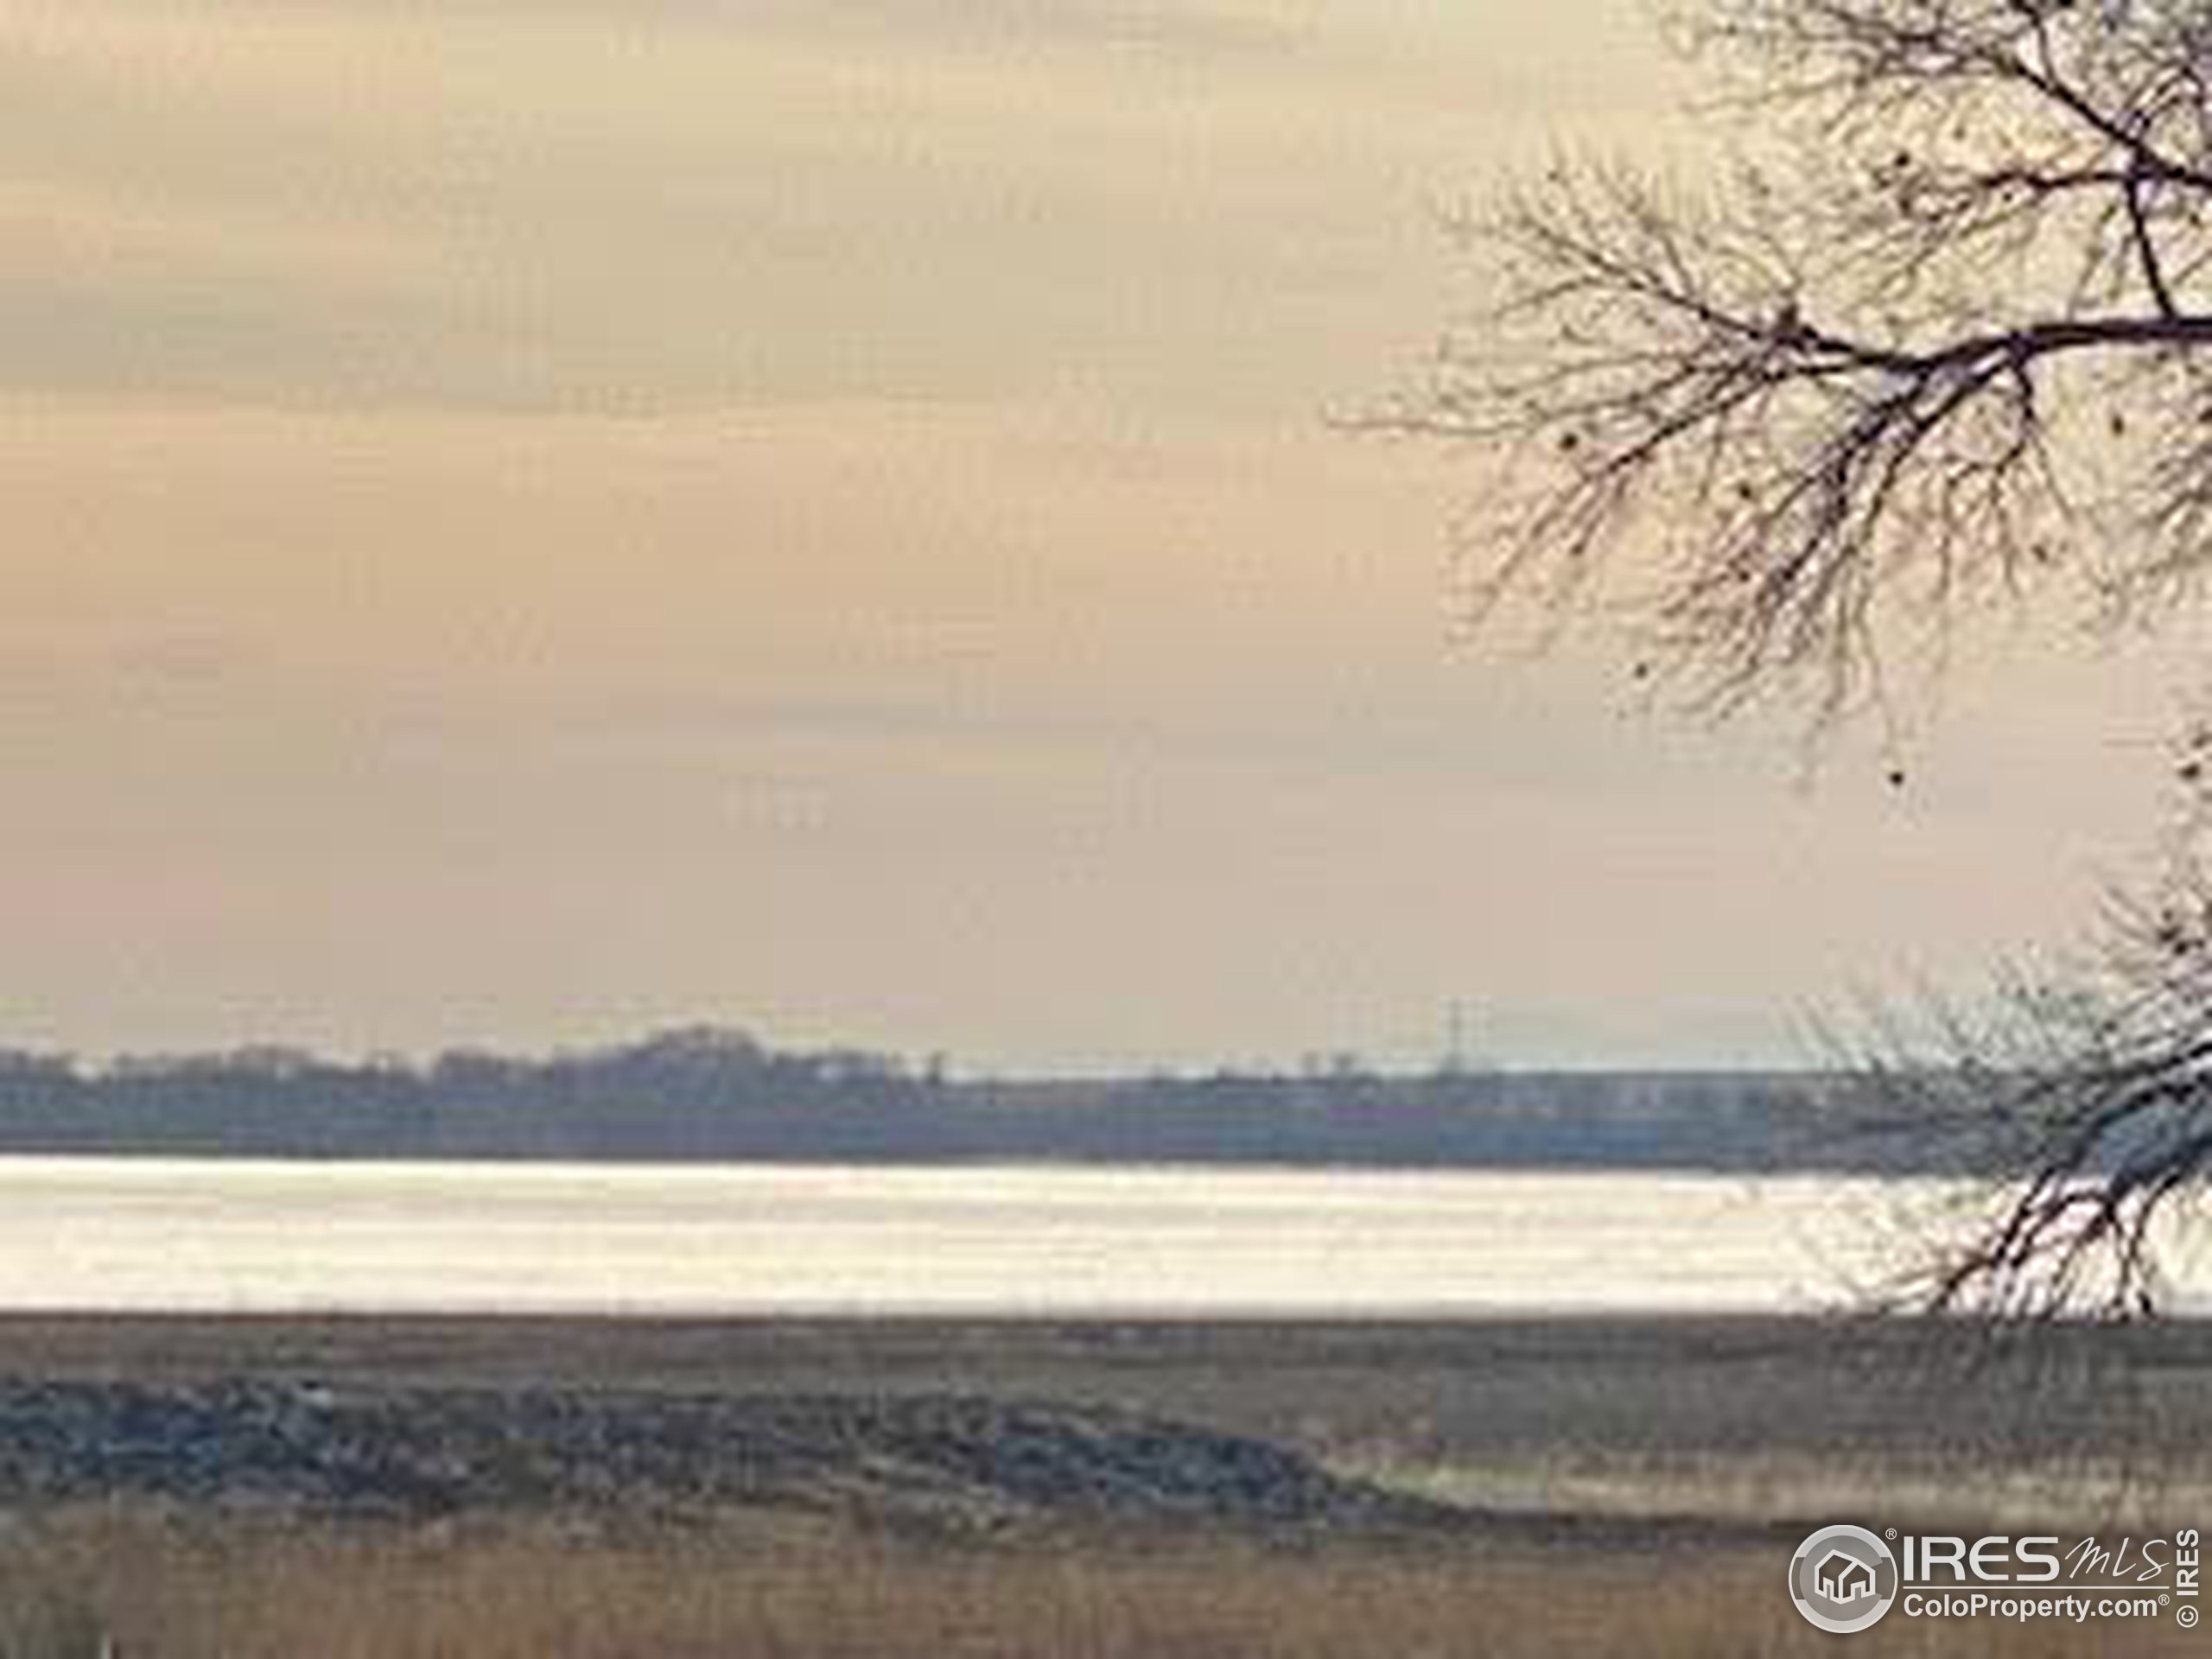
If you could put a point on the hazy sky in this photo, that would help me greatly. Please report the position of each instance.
(531, 517)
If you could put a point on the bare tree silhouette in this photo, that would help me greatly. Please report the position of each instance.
(1936, 337)
(1939, 330)
(2090, 1094)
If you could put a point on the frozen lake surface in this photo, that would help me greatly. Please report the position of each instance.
(137, 1235)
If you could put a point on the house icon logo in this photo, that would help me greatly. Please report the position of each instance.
(1843, 1579)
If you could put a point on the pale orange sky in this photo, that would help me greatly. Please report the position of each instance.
(532, 519)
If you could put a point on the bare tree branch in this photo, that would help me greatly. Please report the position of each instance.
(1949, 348)
(1940, 339)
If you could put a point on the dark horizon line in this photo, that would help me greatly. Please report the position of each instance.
(1320, 1065)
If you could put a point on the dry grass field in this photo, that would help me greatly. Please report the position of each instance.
(515, 1591)
(1628, 1489)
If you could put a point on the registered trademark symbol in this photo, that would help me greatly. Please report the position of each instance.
(2163, 1598)
(1889, 1532)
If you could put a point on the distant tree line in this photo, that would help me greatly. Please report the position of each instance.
(706, 1093)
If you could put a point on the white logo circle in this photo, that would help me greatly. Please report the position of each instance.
(1843, 1579)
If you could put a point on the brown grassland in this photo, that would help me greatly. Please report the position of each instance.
(521, 1591)
(1643, 1481)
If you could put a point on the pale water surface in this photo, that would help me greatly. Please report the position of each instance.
(113, 1234)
